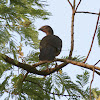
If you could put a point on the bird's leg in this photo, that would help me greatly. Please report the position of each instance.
(56, 66)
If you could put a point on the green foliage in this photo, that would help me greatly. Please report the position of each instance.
(79, 58)
(4, 85)
(32, 57)
(83, 79)
(17, 17)
(64, 83)
(45, 88)
(96, 93)
(4, 67)
(75, 58)
(33, 87)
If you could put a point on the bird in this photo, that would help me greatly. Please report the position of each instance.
(50, 45)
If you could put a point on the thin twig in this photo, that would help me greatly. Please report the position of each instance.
(70, 3)
(72, 30)
(91, 83)
(97, 62)
(92, 80)
(92, 39)
(93, 77)
(78, 5)
(86, 12)
(96, 71)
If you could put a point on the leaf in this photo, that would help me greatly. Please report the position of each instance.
(60, 71)
(13, 48)
(94, 93)
(82, 80)
(4, 85)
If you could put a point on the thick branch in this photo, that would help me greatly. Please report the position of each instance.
(81, 64)
(32, 68)
(92, 39)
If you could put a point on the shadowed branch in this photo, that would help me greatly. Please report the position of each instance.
(32, 68)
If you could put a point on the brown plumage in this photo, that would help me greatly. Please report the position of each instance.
(50, 45)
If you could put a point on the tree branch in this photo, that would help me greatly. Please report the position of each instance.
(72, 30)
(81, 64)
(86, 12)
(91, 83)
(78, 5)
(70, 3)
(32, 68)
(92, 39)
(93, 78)
(97, 62)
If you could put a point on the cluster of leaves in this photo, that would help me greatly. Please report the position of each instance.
(17, 26)
(75, 58)
(46, 88)
(18, 16)
(17, 19)
(96, 93)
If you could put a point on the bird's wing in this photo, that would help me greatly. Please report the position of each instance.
(53, 41)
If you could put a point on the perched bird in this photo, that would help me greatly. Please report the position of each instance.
(50, 45)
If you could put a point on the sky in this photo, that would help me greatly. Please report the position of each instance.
(84, 28)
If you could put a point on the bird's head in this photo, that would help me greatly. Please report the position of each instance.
(47, 29)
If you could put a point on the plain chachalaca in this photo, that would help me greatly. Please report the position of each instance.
(50, 45)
